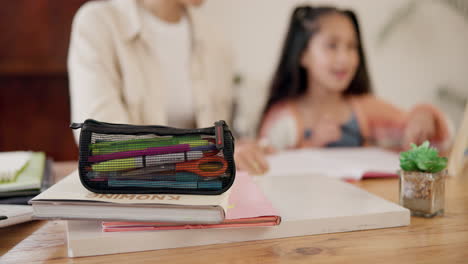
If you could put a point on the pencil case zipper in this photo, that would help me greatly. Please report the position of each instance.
(103, 127)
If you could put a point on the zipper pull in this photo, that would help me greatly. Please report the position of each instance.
(219, 133)
(76, 125)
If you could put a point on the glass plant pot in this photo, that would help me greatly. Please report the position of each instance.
(423, 193)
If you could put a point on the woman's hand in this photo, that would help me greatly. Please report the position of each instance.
(250, 156)
(421, 126)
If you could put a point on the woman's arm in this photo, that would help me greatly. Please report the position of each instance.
(95, 81)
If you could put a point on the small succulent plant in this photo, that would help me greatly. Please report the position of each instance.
(422, 158)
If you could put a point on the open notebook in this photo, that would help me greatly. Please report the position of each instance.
(342, 163)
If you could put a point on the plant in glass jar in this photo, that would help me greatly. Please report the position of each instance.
(422, 180)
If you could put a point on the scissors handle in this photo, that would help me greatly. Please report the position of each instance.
(196, 166)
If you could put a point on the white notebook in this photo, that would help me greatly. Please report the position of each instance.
(308, 205)
(14, 214)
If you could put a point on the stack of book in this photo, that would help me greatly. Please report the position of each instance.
(243, 204)
(252, 209)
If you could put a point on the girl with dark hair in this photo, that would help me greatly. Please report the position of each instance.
(320, 95)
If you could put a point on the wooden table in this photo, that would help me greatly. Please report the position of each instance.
(438, 240)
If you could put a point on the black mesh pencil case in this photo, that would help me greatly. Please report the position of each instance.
(118, 158)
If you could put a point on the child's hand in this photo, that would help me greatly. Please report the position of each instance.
(250, 157)
(326, 131)
(421, 126)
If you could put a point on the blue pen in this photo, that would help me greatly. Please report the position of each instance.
(213, 185)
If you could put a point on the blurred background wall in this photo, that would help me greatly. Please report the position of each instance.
(416, 50)
(34, 98)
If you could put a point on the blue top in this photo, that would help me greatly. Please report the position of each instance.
(350, 134)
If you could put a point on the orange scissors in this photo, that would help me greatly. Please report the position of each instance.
(210, 166)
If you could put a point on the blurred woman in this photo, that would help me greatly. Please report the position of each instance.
(148, 62)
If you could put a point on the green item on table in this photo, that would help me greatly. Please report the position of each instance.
(30, 177)
(108, 147)
(422, 158)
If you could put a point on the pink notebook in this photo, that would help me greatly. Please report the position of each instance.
(248, 207)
